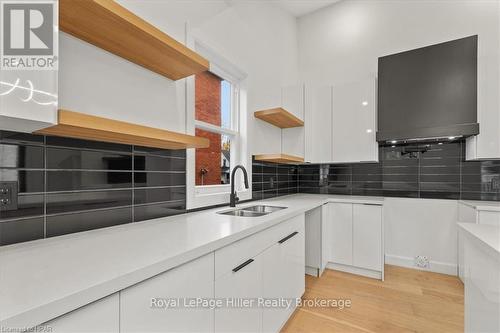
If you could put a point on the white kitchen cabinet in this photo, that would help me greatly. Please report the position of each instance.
(313, 242)
(326, 231)
(101, 316)
(283, 278)
(341, 233)
(367, 236)
(243, 283)
(354, 122)
(318, 124)
(292, 139)
(354, 233)
(481, 285)
(486, 145)
(140, 305)
(276, 272)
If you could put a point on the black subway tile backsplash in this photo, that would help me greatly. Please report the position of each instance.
(271, 180)
(69, 180)
(151, 195)
(440, 172)
(61, 224)
(158, 163)
(69, 185)
(86, 144)
(151, 211)
(153, 179)
(21, 156)
(17, 231)
(63, 158)
(29, 181)
(89, 200)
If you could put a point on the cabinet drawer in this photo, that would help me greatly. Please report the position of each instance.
(237, 253)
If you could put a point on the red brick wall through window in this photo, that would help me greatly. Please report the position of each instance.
(208, 109)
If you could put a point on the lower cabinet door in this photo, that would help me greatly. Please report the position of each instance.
(101, 316)
(283, 272)
(341, 232)
(367, 236)
(242, 284)
(150, 305)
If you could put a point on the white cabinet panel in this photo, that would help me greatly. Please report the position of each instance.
(313, 238)
(293, 138)
(245, 284)
(192, 280)
(367, 236)
(354, 122)
(341, 233)
(489, 217)
(101, 316)
(486, 145)
(326, 232)
(283, 278)
(482, 287)
(318, 124)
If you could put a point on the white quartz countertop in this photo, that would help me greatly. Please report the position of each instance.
(482, 205)
(487, 234)
(43, 279)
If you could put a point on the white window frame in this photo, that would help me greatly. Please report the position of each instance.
(206, 195)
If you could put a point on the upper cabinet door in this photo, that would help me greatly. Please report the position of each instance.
(292, 100)
(354, 122)
(486, 145)
(318, 124)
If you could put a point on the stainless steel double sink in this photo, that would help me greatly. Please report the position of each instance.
(252, 211)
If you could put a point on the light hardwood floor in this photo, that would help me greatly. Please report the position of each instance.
(407, 301)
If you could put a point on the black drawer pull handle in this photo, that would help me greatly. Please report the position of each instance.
(237, 268)
(288, 237)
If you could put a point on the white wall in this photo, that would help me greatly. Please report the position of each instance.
(421, 227)
(342, 42)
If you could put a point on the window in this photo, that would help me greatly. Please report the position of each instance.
(215, 119)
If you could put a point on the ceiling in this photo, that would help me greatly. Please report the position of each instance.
(302, 7)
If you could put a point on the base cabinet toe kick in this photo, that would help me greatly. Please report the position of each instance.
(251, 285)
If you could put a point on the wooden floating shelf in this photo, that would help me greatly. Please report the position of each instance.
(279, 158)
(83, 126)
(108, 25)
(279, 117)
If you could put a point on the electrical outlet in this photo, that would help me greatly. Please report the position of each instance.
(8, 196)
(422, 261)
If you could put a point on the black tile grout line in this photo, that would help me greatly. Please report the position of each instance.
(93, 170)
(45, 187)
(462, 149)
(112, 151)
(45, 214)
(133, 183)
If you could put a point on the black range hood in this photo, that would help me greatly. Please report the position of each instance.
(429, 93)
